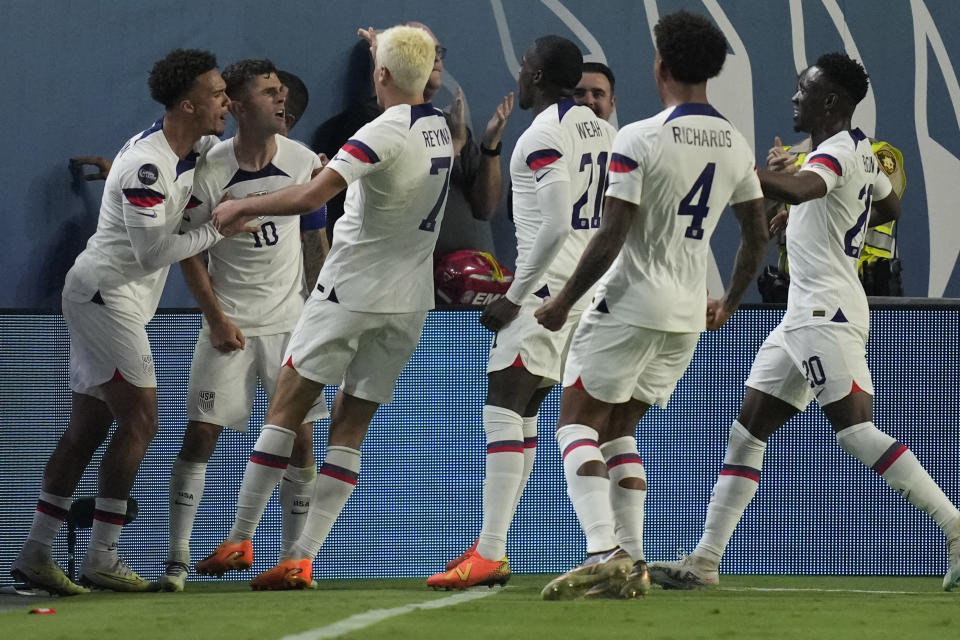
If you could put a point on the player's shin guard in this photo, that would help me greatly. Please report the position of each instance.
(51, 511)
(504, 471)
(529, 455)
(628, 492)
(901, 470)
(296, 491)
(186, 490)
(733, 491)
(336, 480)
(588, 493)
(108, 517)
(267, 463)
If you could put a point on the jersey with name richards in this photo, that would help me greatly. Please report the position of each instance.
(565, 143)
(398, 171)
(258, 276)
(682, 167)
(148, 186)
(825, 235)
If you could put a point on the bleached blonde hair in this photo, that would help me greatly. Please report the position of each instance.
(409, 53)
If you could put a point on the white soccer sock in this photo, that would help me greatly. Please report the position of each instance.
(108, 517)
(336, 480)
(267, 463)
(589, 494)
(186, 491)
(733, 491)
(48, 518)
(296, 490)
(625, 467)
(529, 455)
(901, 470)
(504, 473)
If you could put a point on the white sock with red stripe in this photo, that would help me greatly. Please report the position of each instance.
(336, 480)
(51, 512)
(296, 491)
(628, 492)
(186, 490)
(529, 455)
(589, 494)
(733, 491)
(901, 469)
(267, 463)
(108, 517)
(504, 473)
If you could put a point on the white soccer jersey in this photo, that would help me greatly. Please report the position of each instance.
(398, 169)
(257, 277)
(565, 143)
(682, 167)
(148, 186)
(825, 235)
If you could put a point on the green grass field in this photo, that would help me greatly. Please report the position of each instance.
(743, 607)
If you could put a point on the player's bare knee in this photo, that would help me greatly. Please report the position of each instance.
(595, 468)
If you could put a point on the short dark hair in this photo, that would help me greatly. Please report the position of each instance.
(238, 74)
(173, 76)
(846, 73)
(692, 48)
(297, 95)
(599, 67)
(562, 61)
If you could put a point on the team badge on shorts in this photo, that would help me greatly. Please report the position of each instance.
(205, 401)
(147, 362)
(148, 174)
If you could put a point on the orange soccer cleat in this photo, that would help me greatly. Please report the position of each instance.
(288, 575)
(474, 570)
(463, 556)
(229, 556)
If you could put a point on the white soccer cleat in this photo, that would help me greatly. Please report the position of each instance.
(175, 577)
(613, 567)
(113, 574)
(683, 574)
(36, 569)
(951, 580)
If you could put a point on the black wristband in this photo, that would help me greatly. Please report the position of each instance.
(493, 153)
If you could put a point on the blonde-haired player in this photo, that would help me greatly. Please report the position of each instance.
(363, 319)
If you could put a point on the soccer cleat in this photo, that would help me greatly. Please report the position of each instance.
(463, 556)
(114, 576)
(175, 577)
(608, 589)
(36, 569)
(683, 574)
(287, 575)
(598, 567)
(637, 583)
(229, 556)
(473, 571)
(951, 580)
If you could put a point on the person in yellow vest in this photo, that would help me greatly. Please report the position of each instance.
(879, 267)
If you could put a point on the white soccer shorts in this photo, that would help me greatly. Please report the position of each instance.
(616, 362)
(363, 352)
(103, 343)
(223, 385)
(826, 362)
(541, 352)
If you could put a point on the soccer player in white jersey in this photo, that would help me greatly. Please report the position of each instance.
(558, 170)
(819, 348)
(111, 292)
(671, 176)
(364, 317)
(251, 293)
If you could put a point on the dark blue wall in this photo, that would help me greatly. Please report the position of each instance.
(75, 82)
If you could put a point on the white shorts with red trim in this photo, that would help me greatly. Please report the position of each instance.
(615, 362)
(223, 385)
(525, 343)
(822, 362)
(363, 352)
(106, 344)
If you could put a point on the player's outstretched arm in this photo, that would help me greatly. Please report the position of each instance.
(753, 246)
(155, 248)
(230, 216)
(600, 253)
(792, 188)
(885, 210)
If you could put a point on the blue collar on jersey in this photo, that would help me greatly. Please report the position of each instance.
(423, 110)
(563, 106)
(693, 109)
(857, 135)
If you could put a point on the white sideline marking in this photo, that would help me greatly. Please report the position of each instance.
(877, 591)
(368, 618)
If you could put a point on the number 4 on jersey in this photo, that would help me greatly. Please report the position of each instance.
(699, 210)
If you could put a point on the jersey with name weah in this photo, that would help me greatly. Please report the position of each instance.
(682, 167)
(398, 171)
(148, 186)
(564, 143)
(825, 235)
(257, 276)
